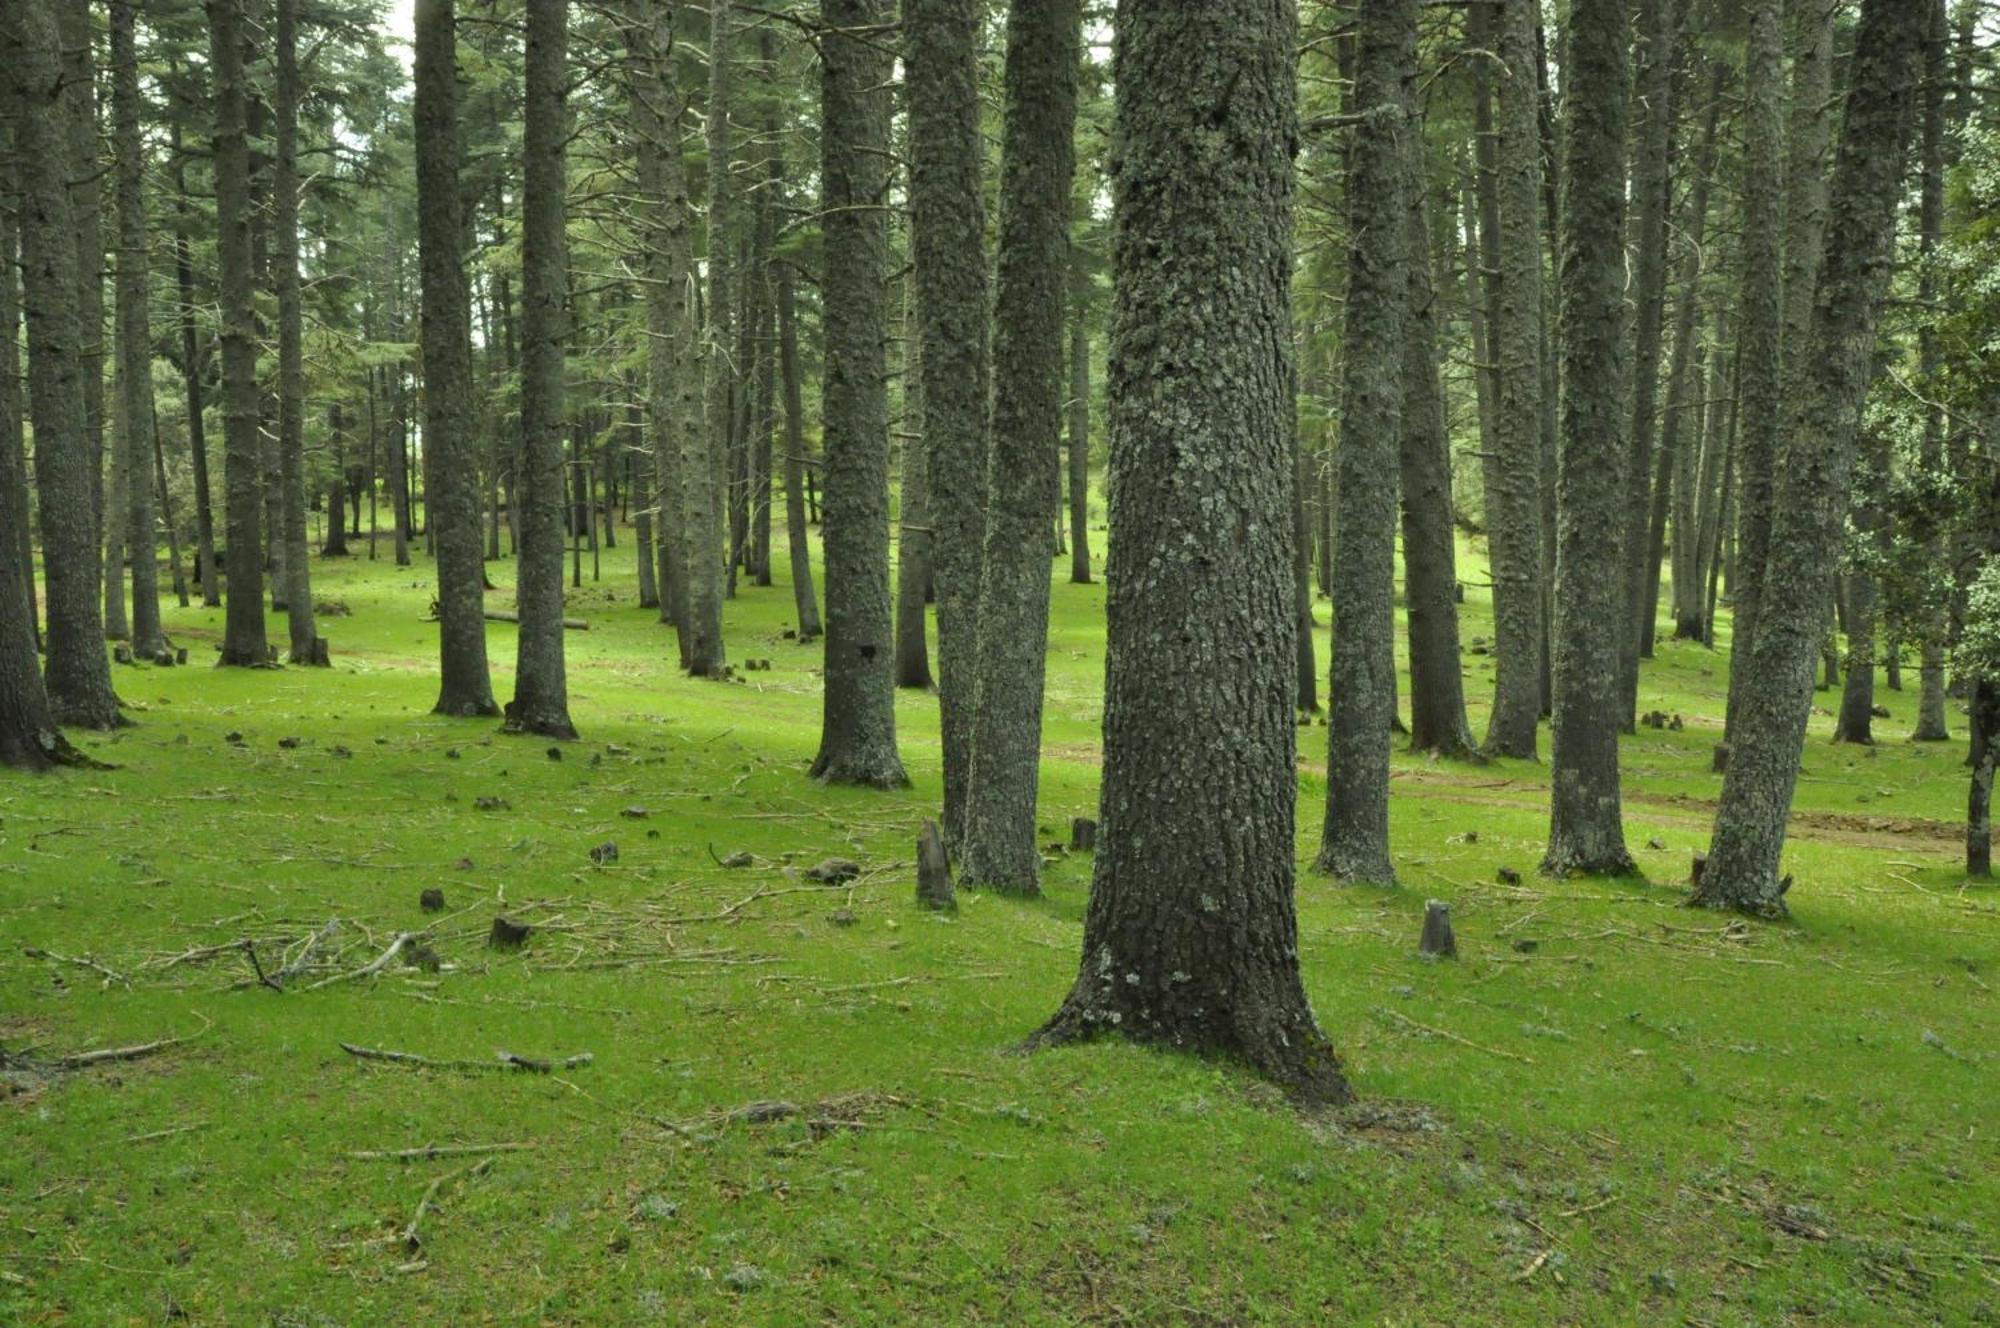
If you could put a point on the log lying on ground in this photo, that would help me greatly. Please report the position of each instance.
(510, 616)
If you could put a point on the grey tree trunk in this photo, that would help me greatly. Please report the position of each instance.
(1710, 490)
(306, 647)
(1514, 497)
(948, 240)
(1816, 464)
(913, 529)
(192, 355)
(705, 460)
(1854, 722)
(465, 684)
(1430, 560)
(764, 316)
(77, 672)
(135, 336)
(541, 688)
(1079, 418)
(1191, 940)
(1586, 832)
(1651, 184)
(805, 603)
(673, 369)
(1362, 690)
(1935, 623)
(858, 726)
(78, 100)
(1023, 488)
(15, 477)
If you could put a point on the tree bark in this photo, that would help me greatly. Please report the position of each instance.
(805, 603)
(541, 688)
(1934, 622)
(84, 180)
(913, 526)
(858, 727)
(705, 469)
(948, 240)
(1023, 488)
(1079, 418)
(306, 647)
(1812, 485)
(13, 464)
(1586, 833)
(1362, 697)
(1190, 940)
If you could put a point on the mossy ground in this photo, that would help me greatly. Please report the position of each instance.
(1652, 1116)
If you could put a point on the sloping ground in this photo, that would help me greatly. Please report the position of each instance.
(800, 1103)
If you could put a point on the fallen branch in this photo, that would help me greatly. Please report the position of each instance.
(110, 975)
(430, 1151)
(1453, 1037)
(504, 1060)
(104, 1055)
(374, 966)
(413, 1240)
(510, 616)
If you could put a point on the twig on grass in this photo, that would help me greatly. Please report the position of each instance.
(503, 1060)
(429, 1151)
(104, 1055)
(413, 1240)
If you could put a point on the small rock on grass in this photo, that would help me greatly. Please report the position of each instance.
(431, 900)
(834, 871)
(604, 854)
(738, 859)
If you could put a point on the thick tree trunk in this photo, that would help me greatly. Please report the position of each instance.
(798, 542)
(705, 459)
(541, 688)
(1362, 690)
(13, 465)
(1934, 622)
(913, 530)
(1651, 162)
(1430, 559)
(1079, 419)
(1816, 464)
(83, 157)
(243, 643)
(1513, 500)
(135, 337)
(78, 671)
(1586, 833)
(465, 684)
(948, 240)
(763, 320)
(858, 726)
(1023, 491)
(1191, 940)
(306, 647)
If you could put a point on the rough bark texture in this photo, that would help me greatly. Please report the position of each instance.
(1514, 494)
(191, 375)
(1362, 689)
(1855, 720)
(858, 725)
(1023, 488)
(805, 603)
(1935, 622)
(243, 640)
(84, 180)
(705, 459)
(1190, 940)
(77, 668)
(13, 464)
(306, 647)
(1079, 418)
(1585, 830)
(541, 688)
(465, 686)
(1430, 567)
(913, 530)
(948, 239)
(135, 336)
(1814, 469)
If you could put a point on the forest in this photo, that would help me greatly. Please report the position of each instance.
(1016, 662)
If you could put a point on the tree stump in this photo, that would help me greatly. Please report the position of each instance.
(1437, 941)
(934, 888)
(431, 900)
(1083, 835)
(1719, 762)
(604, 854)
(508, 934)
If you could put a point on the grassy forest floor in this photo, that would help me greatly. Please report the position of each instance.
(1609, 1110)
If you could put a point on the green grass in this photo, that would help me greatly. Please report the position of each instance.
(1655, 1116)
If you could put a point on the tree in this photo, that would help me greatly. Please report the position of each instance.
(948, 242)
(1077, 424)
(465, 685)
(705, 459)
(541, 689)
(1190, 940)
(1355, 845)
(1586, 832)
(77, 672)
(1514, 497)
(84, 181)
(1023, 486)
(798, 543)
(306, 646)
(1815, 466)
(192, 358)
(913, 530)
(135, 336)
(858, 728)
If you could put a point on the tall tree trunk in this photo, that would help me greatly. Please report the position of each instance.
(135, 336)
(306, 647)
(541, 688)
(1711, 489)
(705, 461)
(1513, 501)
(1078, 425)
(763, 327)
(1934, 624)
(798, 542)
(1586, 833)
(1651, 185)
(1430, 560)
(192, 358)
(78, 102)
(1191, 940)
(1362, 696)
(1813, 473)
(913, 523)
(77, 672)
(858, 726)
(13, 464)
(948, 239)
(1854, 722)
(1023, 492)
(465, 685)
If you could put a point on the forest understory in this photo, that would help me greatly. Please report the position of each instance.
(246, 1079)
